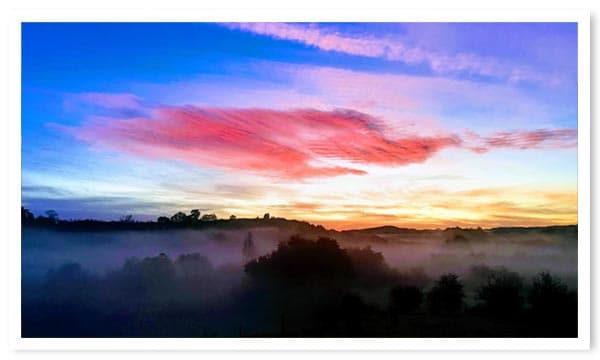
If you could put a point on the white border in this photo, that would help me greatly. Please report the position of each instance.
(375, 15)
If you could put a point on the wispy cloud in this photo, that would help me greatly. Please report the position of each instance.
(430, 105)
(525, 140)
(292, 144)
(124, 100)
(113, 104)
(393, 49)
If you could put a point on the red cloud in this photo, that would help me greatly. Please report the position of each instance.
(290, 144)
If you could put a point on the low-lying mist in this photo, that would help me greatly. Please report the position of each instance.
(527, 251)
(208, 281)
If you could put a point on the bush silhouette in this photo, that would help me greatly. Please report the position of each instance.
(367, 262)
(163, 220)
(193, 265)
(179, 217)
(150, 279)
(405, 299)
(501, 294)
(27, 217)
(553, 306)
(353, 311)
(548, 295)
(67, 281)
(446, 296)
(301, 260)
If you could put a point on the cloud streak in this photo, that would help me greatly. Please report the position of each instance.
(293, 144)
(113, 104)
(540, 139)
(394, 50)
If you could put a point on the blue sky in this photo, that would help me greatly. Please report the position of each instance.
(121, 118)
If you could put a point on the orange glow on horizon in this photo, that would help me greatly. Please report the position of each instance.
(485, 208)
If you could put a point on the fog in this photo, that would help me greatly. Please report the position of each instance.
(216, 281)
(527, 252)
(99, 252)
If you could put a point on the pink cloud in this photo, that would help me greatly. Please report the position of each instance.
(292, 144)
(424, 101)
(394, 50)
(525, 140)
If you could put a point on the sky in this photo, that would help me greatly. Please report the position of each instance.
(346, 125)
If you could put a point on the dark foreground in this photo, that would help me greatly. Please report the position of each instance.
(305, 288)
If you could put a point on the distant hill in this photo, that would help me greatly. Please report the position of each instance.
(295, 226)
(388, 229)
(544, 229)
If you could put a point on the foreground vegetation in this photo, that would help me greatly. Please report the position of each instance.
(305, 288)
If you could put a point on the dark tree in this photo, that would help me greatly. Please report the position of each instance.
(209, 217)
(548, 294)
(27, 217)
(69, 283)
(163, 220)
(367, 262)
(353, 311)
(446, 296)
(152, 276)
(501, 294)
(553, 306)
(248, 250)
(193, 265)
(179, 218)
(405, 299)
(300, 260)
(127, 219)
(194, 215)
(52, 216)
(267, 216)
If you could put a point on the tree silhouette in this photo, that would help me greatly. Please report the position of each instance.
(194, 215)
(127, 219)
(27, 216)
(367, 262)
(209, 217)
(501, 294)
(52, 215)
(301, 260)
(193, 265)
(179, 217)
(69, 284)
(248, 250)
(446, 296)
(163, 220)
(547, 295)
(553, 306)
(353, 311)
(405, 299)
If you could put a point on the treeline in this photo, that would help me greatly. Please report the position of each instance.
(194, 219)
(177, 221)
(304, 288)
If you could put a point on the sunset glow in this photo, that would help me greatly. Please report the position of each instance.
(343, 125)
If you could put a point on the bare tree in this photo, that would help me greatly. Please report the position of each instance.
(248, 250)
